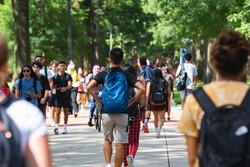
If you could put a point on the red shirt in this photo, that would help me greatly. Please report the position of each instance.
(5, 90)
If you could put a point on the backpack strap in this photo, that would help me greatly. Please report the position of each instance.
(204, 101)
(20, 86)
(34, 85)
(246, 102)
(46, 71)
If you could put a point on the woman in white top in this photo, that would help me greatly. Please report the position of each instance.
(28, 120)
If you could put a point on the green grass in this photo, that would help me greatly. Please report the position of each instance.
(177, 98)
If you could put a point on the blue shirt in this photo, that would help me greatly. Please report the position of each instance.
(28, 87)
(147, 73)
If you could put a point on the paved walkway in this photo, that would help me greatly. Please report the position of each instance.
(82, 146)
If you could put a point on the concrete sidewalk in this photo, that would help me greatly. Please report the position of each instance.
(82, 146)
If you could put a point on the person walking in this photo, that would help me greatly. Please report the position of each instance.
(192, 76)
(62, 84)
(215, 119)
(157, 94)
(25, 141)
(75, 84)
(42, 101)
(90, 77)
(82, 89)
(114, 105)
(27, 86)
(130, 149)
(147, 73)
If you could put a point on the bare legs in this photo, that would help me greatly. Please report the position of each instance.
(119, 154)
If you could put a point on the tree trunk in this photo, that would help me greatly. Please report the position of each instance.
(90, 26)
(69, 30)
(209, 71)
(21, 27)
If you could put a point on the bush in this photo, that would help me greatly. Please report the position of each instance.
(177, 98)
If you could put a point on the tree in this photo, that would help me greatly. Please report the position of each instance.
(69, 30)
(21, 27)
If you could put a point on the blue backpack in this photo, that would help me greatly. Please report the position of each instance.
(115, 92)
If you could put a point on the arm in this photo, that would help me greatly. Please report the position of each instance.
(147, 92)
(46, 95)
(136, 97)
(38, 153)
(142, 99)
(90, 87)
(195, 79)
(17, 93)
(64, 89)
(192, 148)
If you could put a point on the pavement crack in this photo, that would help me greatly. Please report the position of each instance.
(166, 142)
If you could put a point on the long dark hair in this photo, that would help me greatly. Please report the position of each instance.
(130, 69)
(32, 73)
(158, 74)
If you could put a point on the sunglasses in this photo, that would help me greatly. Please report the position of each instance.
(26, 71)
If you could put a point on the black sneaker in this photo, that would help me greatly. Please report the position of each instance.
(90, 123)
(56, 131)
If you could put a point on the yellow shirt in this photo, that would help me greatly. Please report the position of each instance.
(221, 93)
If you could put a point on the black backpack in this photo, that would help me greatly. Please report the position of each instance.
(10, 143)
(224, 135)
(181, 79)
(158, 92)
(133, 109)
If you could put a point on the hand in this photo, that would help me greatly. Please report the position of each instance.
(42, 101)
(63, 89)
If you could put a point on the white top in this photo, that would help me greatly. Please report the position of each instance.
(49, 73)
(29, 121)
(191, 73)
(53, 73)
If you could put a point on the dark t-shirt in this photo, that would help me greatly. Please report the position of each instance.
(62, 81)
(45, 84)
(131, 79)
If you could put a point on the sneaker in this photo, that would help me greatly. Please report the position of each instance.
(109, 165)
(130, 160)
(65, 130)
(168, 118)
(90, 123)
(75, 114)
(145, 128)
(158, 133)
(56, 131)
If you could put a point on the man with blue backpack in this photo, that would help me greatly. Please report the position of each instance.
(114, 103)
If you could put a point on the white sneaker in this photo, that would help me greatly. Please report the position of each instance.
(130, 160)
(65, 130)
(158, 133)
(109, 165)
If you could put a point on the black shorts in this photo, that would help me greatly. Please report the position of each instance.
(51, 101)
(62, 101)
